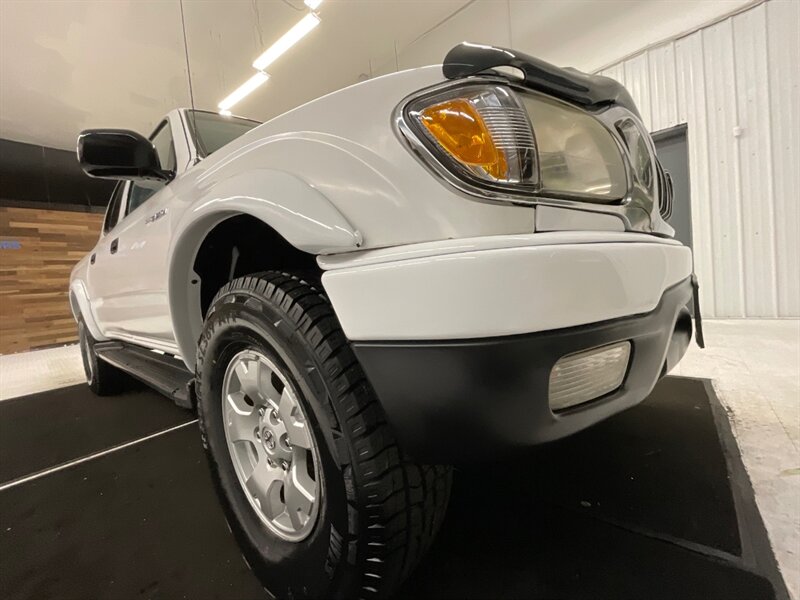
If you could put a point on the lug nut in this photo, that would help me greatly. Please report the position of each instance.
(274, 415)
(285, 441)
(284, 465)
(270, 462)
(269, 439)
(261, 412)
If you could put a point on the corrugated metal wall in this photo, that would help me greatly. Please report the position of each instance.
(737, 86)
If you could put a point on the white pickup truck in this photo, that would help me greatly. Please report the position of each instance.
(426, 268)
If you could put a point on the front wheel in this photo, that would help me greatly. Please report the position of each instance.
(320, 497)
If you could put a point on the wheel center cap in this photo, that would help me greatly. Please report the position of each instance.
(269, 439)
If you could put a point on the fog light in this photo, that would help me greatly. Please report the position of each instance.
(583, 376)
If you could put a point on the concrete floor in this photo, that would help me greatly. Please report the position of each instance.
(755, 367)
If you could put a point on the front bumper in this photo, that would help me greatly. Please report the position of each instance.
(452, 400)
(500, 285)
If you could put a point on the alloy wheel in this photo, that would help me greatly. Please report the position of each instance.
(271, 445)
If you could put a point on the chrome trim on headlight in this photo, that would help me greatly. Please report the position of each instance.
(509, 125)
(636, 209)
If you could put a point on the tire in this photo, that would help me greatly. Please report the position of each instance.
(377, 511)
(103, 378)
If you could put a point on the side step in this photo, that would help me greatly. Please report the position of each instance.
(164, 373)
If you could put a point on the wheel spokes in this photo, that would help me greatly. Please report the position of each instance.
(299, 492)
(248, 374)
(240, 419)
(270, 391)
(264, 485)
(271, 445)
(296, 427)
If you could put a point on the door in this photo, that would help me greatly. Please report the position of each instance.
(100, 274)
(130, 274)
(672, 148)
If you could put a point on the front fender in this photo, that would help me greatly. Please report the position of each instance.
(301, 214)
(82, 308)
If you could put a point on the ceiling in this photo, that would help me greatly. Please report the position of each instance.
(68, 65)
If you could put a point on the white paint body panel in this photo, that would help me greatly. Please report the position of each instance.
(344, 147)
(550, 218)
(333, 179)
(331, 176)
(486, 291)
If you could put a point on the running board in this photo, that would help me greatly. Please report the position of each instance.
(164, 373)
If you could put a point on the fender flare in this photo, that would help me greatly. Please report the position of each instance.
(298, 212)
(82, 308)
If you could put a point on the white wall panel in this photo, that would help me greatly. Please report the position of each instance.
(784, 99)
(755, 162)
(663, 92)
(737, 86)
(724, 169)
(637, 81)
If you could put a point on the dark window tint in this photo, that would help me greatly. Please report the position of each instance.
(138, 196)
(165, 148)
(112, 212)
(212, 131)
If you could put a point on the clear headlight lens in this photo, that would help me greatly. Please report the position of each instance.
(577, 154)
(639, 152)
(481, 131)
(523, 142)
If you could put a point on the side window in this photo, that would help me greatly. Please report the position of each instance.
(165, 148)
(112, 212)
(138, 196)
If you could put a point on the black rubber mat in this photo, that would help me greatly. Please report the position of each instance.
(644, 505)
(141, 522)
(640, 506)
(44, 430)
(658, 467)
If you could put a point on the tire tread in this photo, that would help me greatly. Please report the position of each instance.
(401, 502)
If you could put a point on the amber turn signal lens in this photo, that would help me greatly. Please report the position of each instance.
(458, 127)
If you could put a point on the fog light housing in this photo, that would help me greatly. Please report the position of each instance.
(589, 374)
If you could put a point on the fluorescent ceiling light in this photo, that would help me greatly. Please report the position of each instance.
(242, 91)
(313, 4)
(289, 39)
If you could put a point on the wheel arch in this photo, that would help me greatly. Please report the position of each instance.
(217, 247)
(82, 309)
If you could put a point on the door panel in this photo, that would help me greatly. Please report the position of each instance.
(100, 273)
(138, 303)
(129, 277)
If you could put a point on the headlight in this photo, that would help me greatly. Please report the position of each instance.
(523, 144)
(480, 132)
(577, 154)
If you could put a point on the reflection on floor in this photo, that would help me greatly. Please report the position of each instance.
(40, 370)
(755, 367)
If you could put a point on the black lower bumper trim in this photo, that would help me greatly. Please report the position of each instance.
(455, 400)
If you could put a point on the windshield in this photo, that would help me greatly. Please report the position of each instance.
(211, 131)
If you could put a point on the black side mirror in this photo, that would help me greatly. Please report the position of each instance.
(119, 154)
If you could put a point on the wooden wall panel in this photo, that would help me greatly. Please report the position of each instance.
(34, 277)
